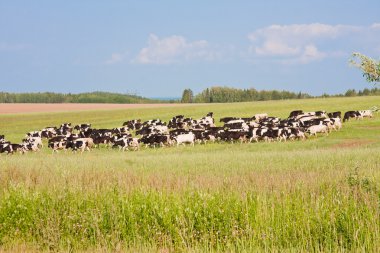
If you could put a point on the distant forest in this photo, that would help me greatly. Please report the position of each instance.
(210, 95)
(226, 95)
(91, 97)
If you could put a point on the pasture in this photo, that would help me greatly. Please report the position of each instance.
(321, 194)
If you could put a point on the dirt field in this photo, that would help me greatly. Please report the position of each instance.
(28, 108)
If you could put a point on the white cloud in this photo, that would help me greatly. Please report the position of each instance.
(309, 53)
(174, 49)
(296, 43)
(375, 26)
(115, 58)
(276, 48)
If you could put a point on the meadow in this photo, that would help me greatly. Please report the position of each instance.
(317, 195)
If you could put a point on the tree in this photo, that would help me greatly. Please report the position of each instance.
(187, 96)
(369, 66)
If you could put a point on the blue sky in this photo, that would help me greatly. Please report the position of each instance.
(158, 48)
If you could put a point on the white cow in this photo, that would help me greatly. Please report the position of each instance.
(313, 130)
(366, 113)
(260, 116)
(185, 138)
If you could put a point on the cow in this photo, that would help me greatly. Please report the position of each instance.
(134, 124)
(48, 132)
(334, 114)
(232, 136)
(176, 132)
(82, 127)
(75, 145)
(120, 130)
(33, 134)
(260, 116)
(274, 134)
(295, 113)
(366, 113)
(313, 130)
(153, 139)
(33, 143)
(158, 129)
(236, 124)
(336, 123)
(2, 139)
(6, 147)
(185, 138)
(57, 145)
(351, 114)
(154, 122)
(227, 119)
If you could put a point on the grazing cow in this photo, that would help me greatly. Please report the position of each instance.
(321, 114)
(260, 116)
(274, 134)
(206, 121)
(335, 114)
(230, 136)
(185, 138)
(57, 145)
(82, 127)
(227, 119)
(295, 113)
(134, 143)
(313, 130)
(6, 147)
(177, 121)
(153, 139)
(10, 148)
(33, 143)
(294, 133)
(134, 124)
(366, 113)
(78, 145)
(154, 122)
(158, 129)
(122, 143)
(120, 130)
(336, 123)
(351, 114)
(33, 134)
(48, 132)
(176, 132)
(236, 125)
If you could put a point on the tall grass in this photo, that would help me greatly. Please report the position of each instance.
(336, 217)
(318, 195)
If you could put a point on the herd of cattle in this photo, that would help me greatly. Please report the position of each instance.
(181, 130)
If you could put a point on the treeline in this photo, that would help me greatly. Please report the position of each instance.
(354, 93)
(91, 97)
(226, 95)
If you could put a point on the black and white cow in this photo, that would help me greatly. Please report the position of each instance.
(334, 114)
(156, 139)
(351, 114)
(134, 124)
(295, 113)
(76, 145)
(82, 127)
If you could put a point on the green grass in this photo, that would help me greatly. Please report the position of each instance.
(321, 194)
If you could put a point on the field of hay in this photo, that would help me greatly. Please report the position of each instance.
(322, 194)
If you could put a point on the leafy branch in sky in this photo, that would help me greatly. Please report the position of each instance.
(369, 66)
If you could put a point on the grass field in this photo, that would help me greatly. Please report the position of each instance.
(322, 194)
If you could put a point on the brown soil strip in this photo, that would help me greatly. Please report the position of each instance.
(352, 143)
